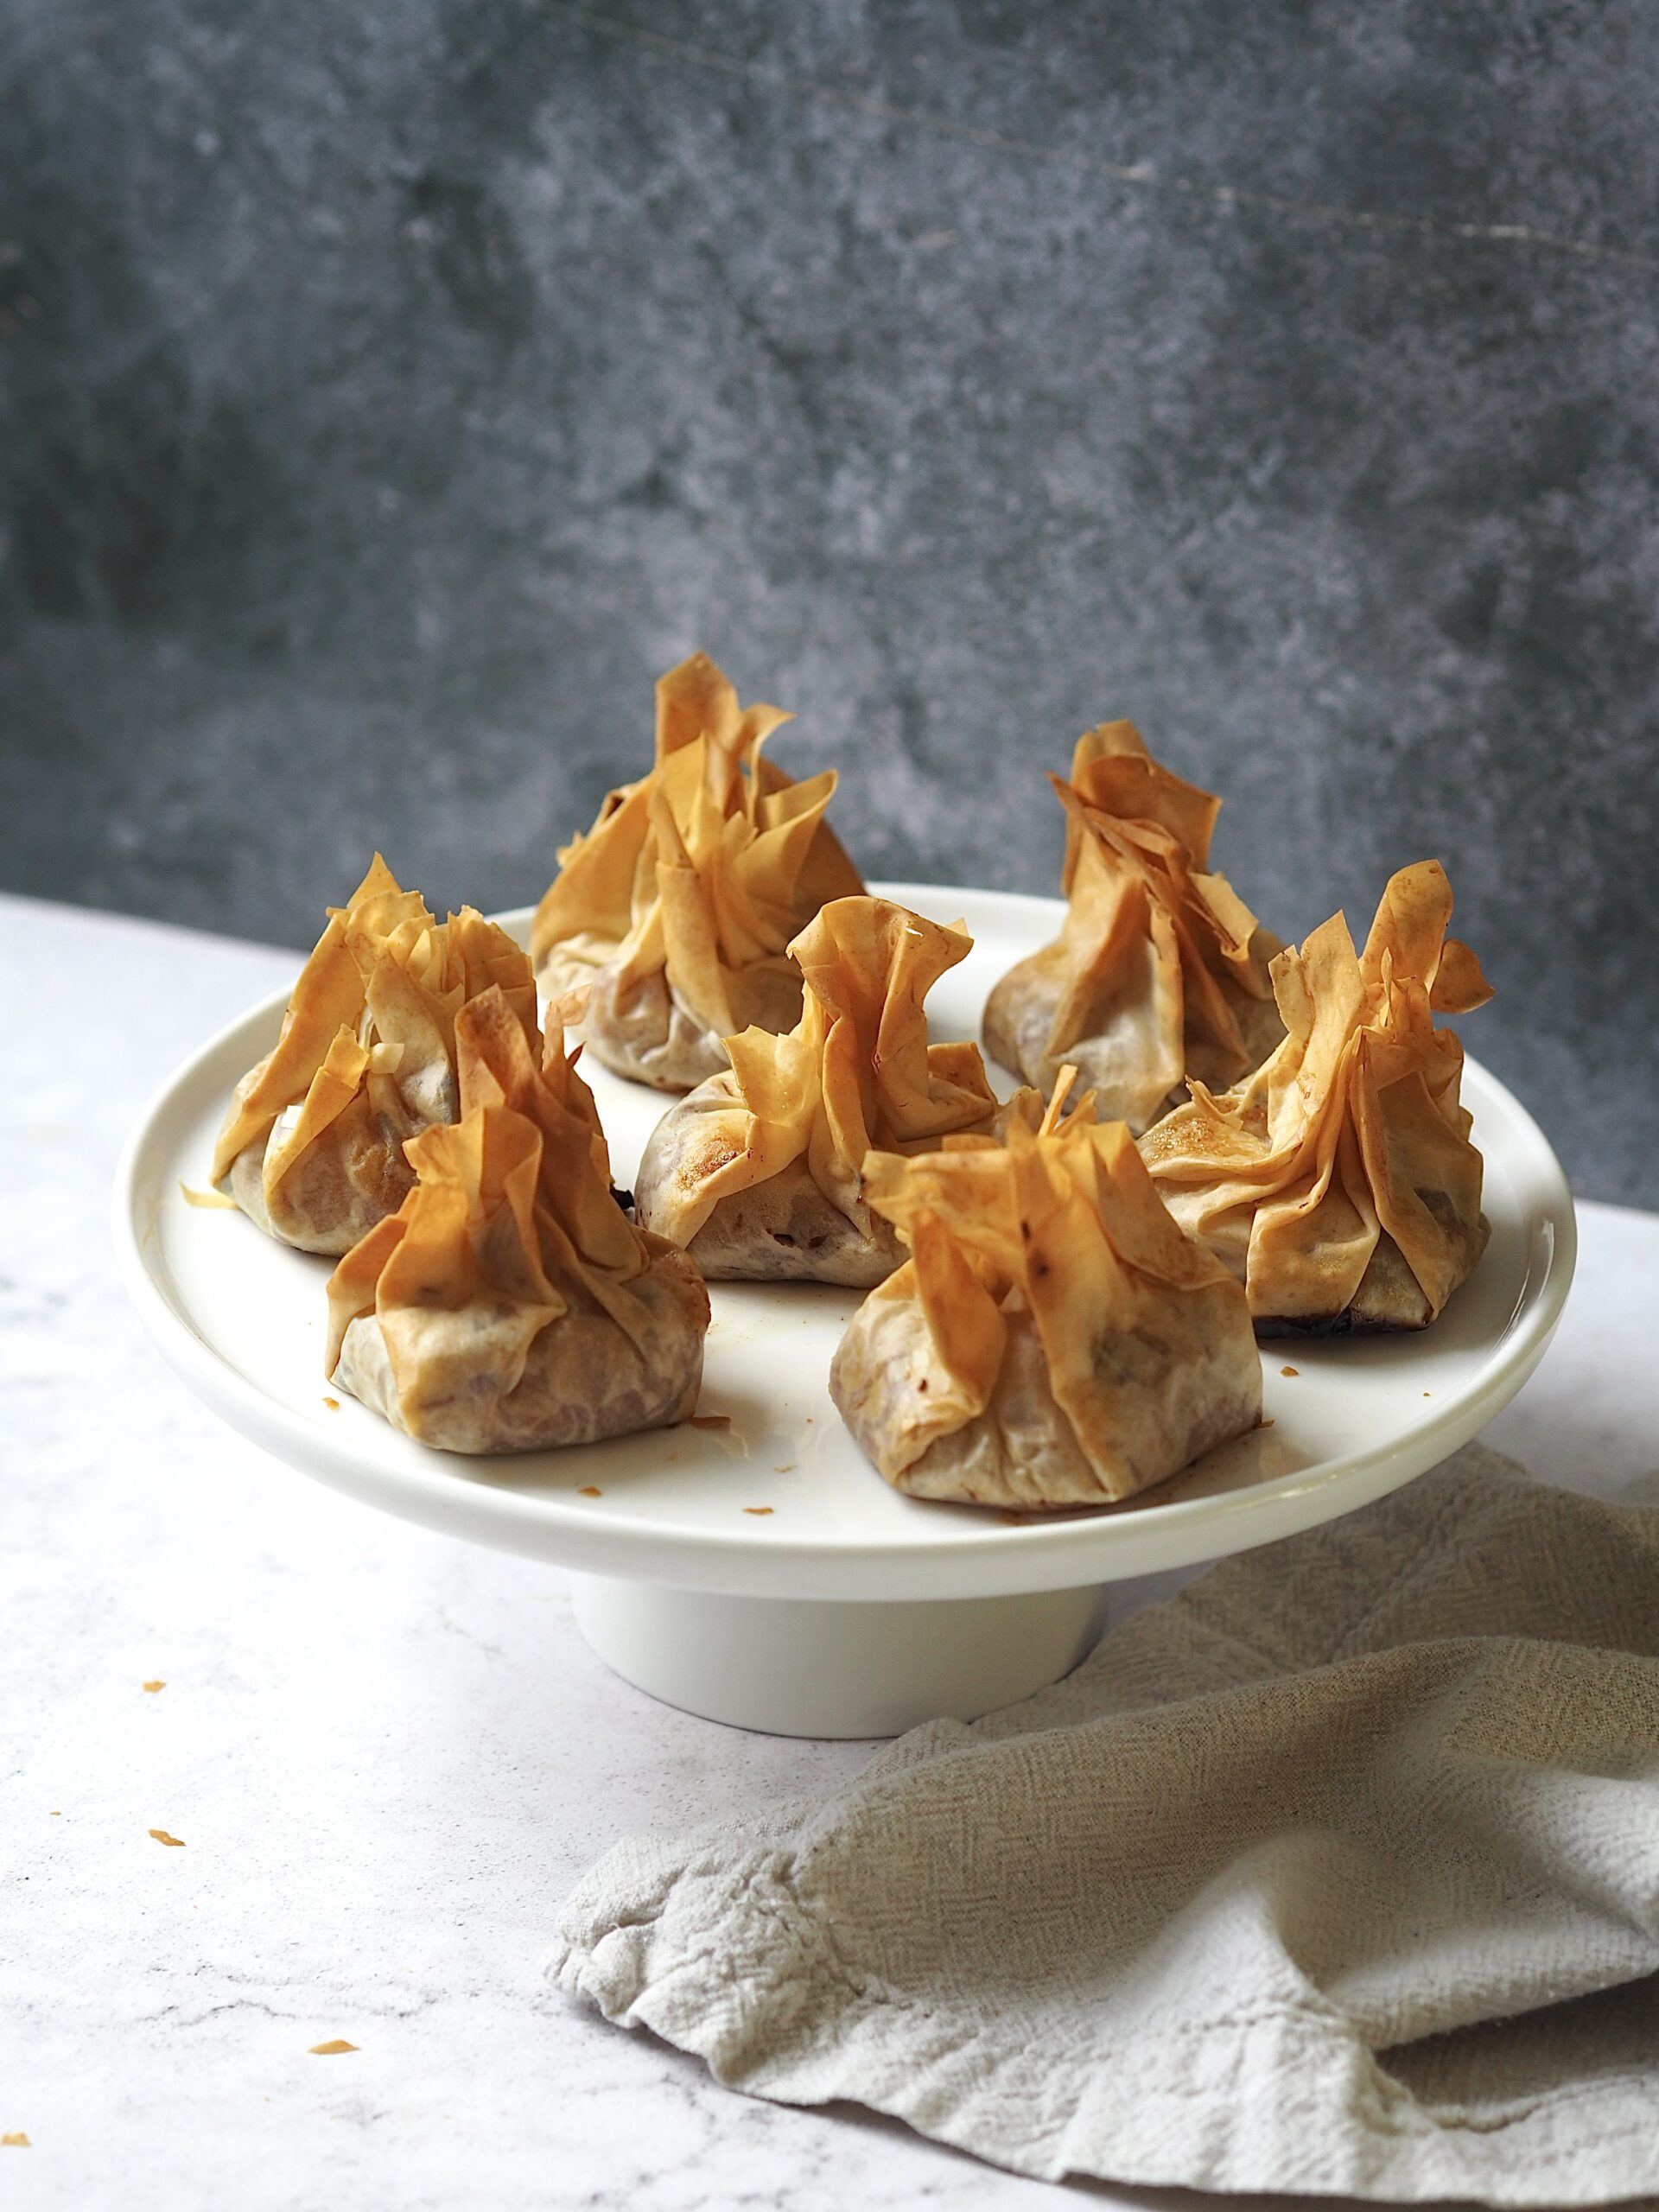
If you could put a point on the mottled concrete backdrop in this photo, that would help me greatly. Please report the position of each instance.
(390, 388)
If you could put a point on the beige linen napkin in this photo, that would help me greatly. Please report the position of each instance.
(1339, 1874)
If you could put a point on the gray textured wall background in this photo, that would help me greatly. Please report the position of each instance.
(388, 389)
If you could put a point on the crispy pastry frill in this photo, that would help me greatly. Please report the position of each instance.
(312, 1147)
(674, 912)
(1161, 969)
(1053, 1340)
(1338, 1182)
(511, 1304)
(757, 1172)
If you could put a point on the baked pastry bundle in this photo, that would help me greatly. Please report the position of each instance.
(1057, 1316)
(312, 1147)
(757, 1172)
(1338, 1182)
(674, 912)
(1054, 1339)
(1161, 971)
(509, 1305)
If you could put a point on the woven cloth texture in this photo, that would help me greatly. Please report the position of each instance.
(1338, 1874)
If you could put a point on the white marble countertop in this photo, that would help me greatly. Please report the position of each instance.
(388, 1756)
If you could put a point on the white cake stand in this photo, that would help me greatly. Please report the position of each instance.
(758, 1572)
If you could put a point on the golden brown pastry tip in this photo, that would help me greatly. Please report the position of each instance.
(1160, 971)
(312, 1147)
(675, 910)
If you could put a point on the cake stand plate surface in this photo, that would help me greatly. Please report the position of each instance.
(757, 1569)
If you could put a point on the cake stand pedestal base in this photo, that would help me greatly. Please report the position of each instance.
(821, 1666)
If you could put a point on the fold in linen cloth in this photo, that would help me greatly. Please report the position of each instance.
(1339, 1874)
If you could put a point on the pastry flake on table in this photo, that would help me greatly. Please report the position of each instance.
(756, 1173)
(674, 911)
(312, 1148)
(511, 1304)
(1338, 1182)
(1160, 971)
(1054, 1339)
